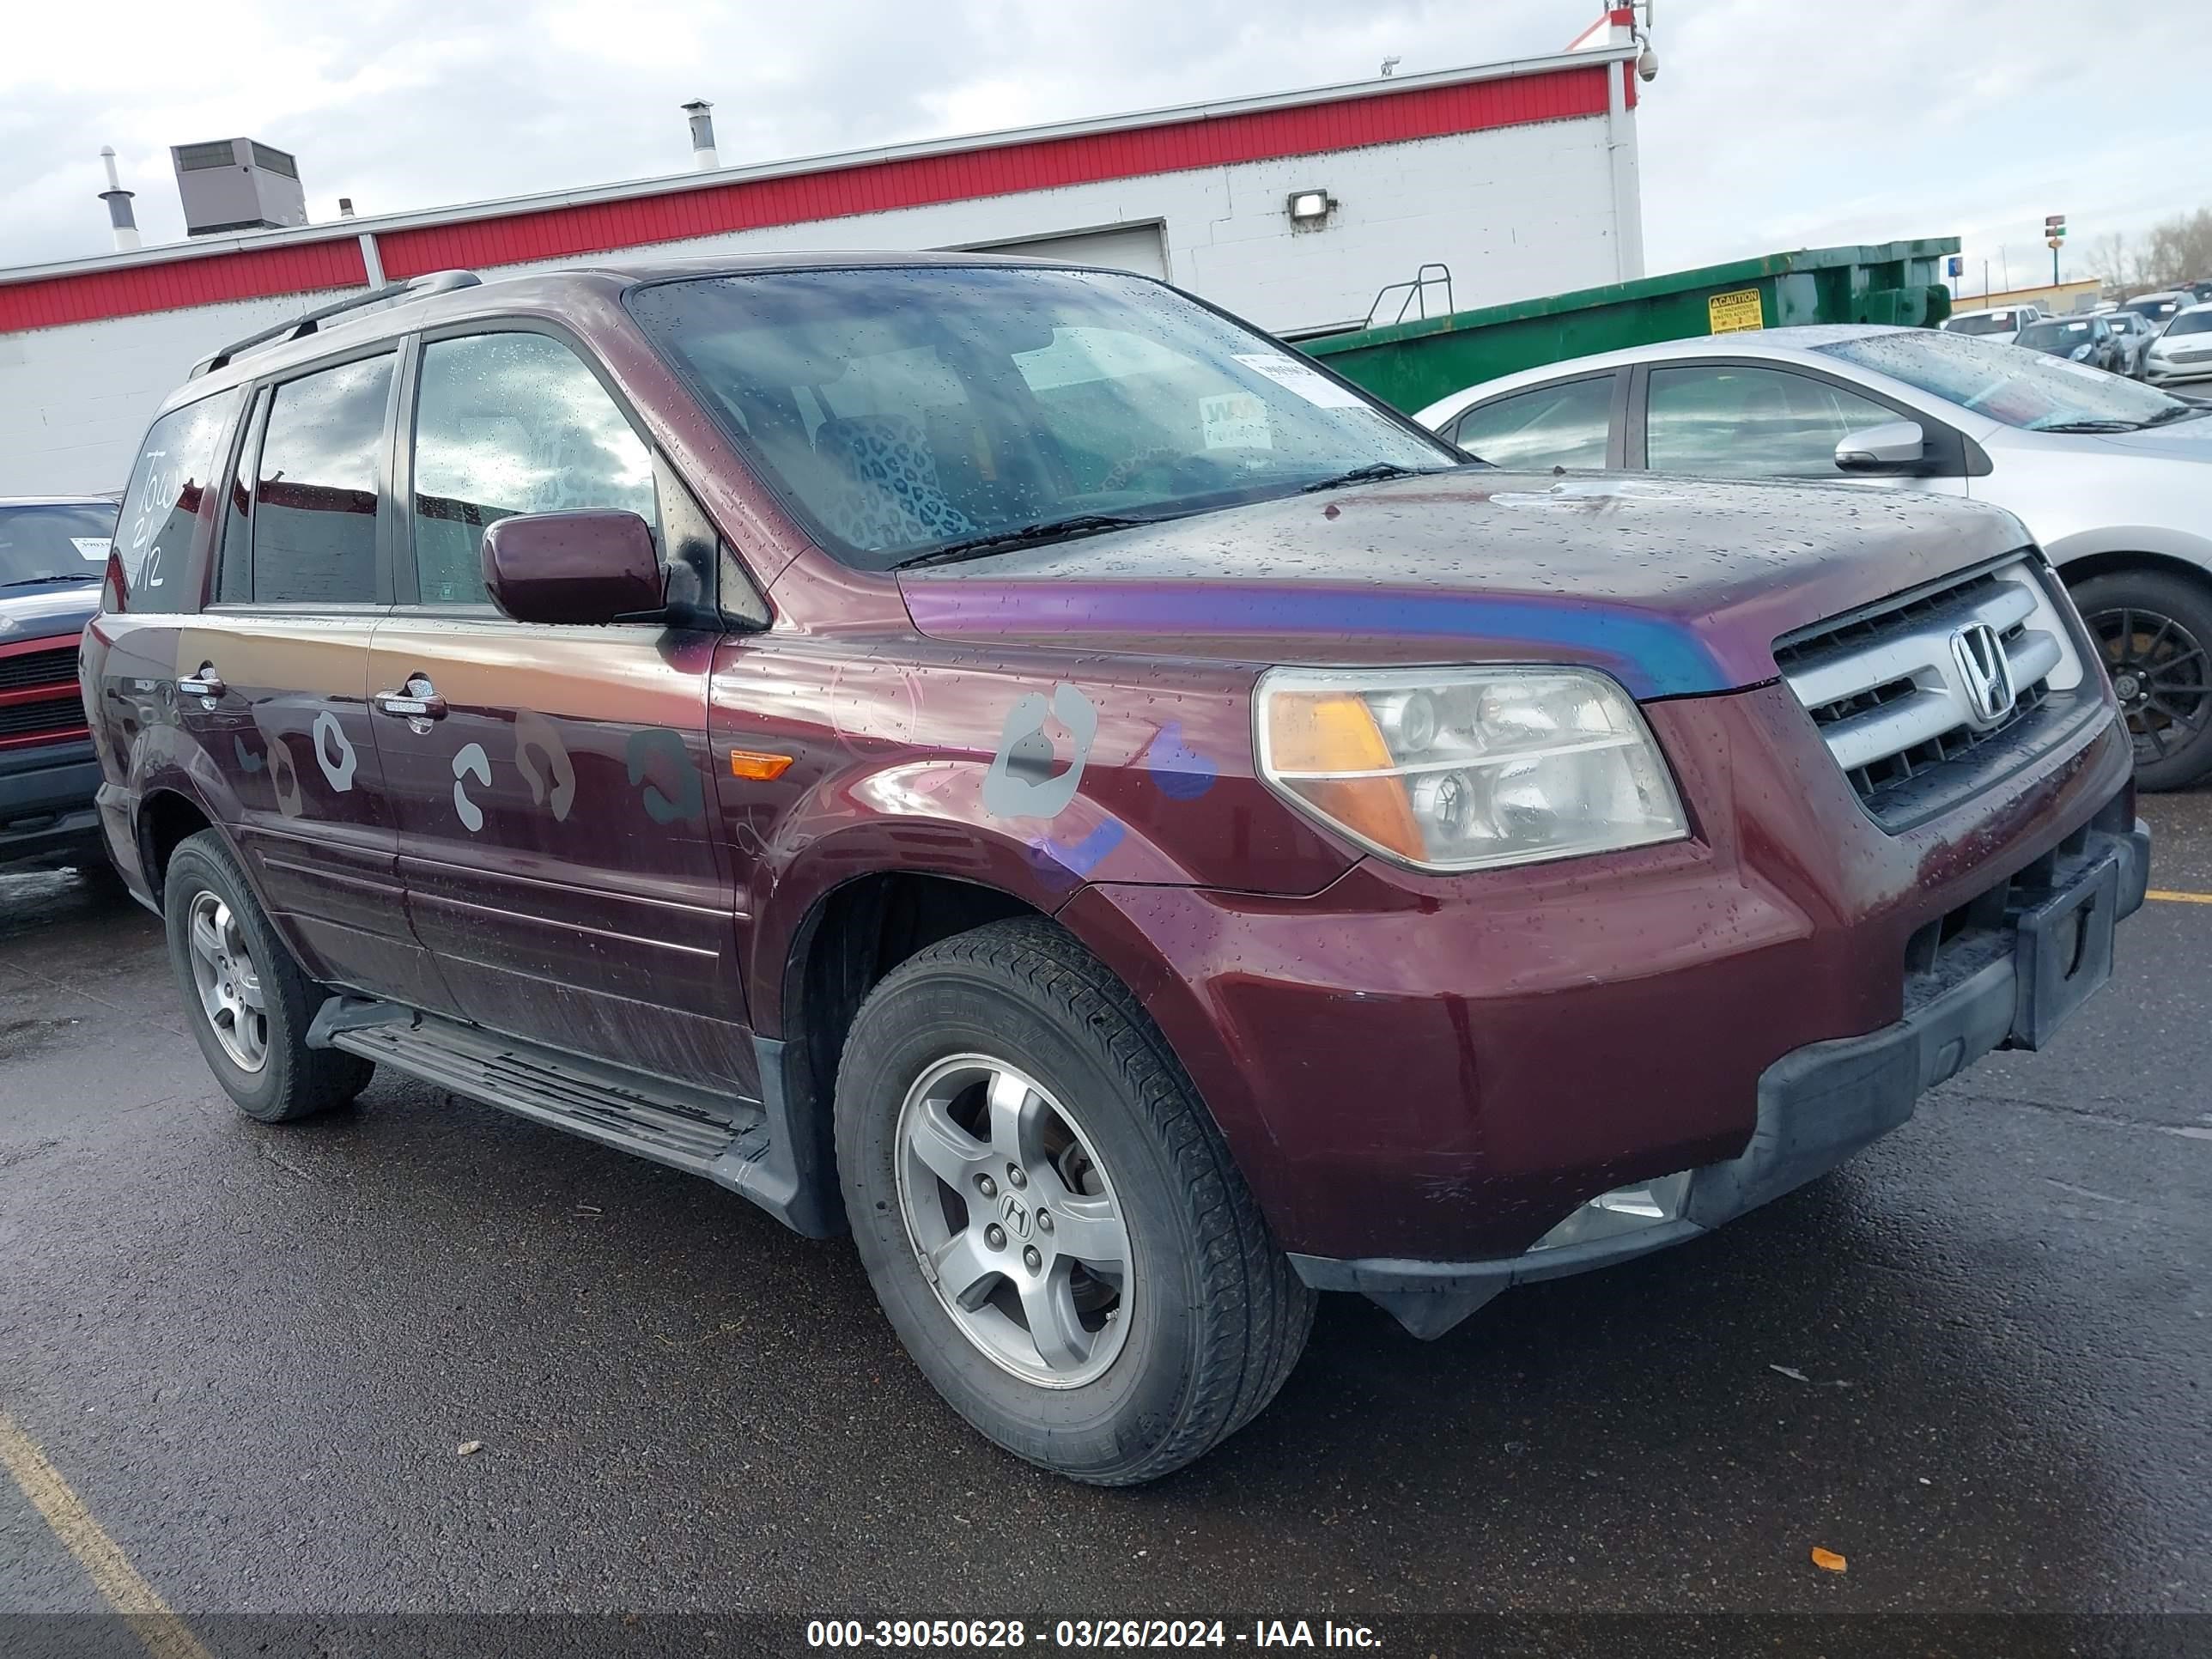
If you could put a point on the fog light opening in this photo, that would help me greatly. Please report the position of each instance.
(1628, 1209)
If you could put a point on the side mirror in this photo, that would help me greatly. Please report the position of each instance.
(597, 566)
(1893, 446)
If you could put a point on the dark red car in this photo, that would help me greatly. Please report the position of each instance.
(1008, 759)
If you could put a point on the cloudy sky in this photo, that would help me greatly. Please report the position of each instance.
(1774, 124)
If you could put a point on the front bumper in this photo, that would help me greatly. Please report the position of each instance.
(46, 813)
(2008, 986)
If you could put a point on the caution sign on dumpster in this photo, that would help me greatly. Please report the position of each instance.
(1731, 314)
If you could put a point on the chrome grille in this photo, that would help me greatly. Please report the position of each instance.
(1894, 691)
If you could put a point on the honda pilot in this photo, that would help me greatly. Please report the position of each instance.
(1005, 760)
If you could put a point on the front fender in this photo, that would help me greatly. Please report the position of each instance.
(2163, 540)
(1025, 772)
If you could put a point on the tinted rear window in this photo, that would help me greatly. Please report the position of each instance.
(1991, 322)
(160, 510)
(317, 501)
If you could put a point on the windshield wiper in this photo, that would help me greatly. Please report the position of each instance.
(998, 541)
(2092, 426)
(60, 576)
(2179, 412)
(1373, 472)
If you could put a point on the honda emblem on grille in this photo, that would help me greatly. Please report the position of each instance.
(1984, 673)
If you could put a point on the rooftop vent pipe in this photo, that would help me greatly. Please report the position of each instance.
(119, 217)
(702, 134)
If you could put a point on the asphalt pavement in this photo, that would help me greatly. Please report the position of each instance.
(1973, 1363)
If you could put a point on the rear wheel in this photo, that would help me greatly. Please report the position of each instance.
(248, 1002)
(2154, 631)
(1048, 1215)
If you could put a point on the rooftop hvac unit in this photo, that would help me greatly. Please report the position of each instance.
(235, 184)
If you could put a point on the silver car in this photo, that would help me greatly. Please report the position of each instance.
(2112, 478)
(2135, 337)
(2182, 350)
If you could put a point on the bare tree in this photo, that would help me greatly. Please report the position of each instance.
(2179, 250)
(2112, 257)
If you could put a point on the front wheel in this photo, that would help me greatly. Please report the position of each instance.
(1048, 1216)
(2155, 630)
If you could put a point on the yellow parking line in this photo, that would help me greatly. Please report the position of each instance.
(2179, 898)
(162, 1633)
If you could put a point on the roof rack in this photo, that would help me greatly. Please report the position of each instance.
(414, 287)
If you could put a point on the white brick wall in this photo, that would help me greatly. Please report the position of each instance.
(1514, 211)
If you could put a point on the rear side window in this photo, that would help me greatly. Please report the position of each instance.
(317, 493)
(1552, 426)
(160, 510)
(509, 423)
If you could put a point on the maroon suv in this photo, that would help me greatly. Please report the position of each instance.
(1008, 760)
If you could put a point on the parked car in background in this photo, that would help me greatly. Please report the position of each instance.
(2114, 478)
(53, 553)
(2001, 325)
(1002, 757)
(2159, 309)
(2078, 339)
(2182, 350)
(2134, 335)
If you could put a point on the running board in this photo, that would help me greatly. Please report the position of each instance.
(730, 1141)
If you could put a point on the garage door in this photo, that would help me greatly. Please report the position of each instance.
(1125, 247)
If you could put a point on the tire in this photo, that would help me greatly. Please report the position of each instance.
(1206, 1319)
(263, 1063)
(2154, 629)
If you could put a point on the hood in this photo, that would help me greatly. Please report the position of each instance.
(41, 613)
(1675, 586)
(2184, 441)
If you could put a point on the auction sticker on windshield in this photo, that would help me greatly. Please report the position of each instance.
(91, 547)
(1234, 420)
(1732, 313)
(1308, 383)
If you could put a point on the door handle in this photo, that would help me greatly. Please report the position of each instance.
(206, 683)
(418, 699)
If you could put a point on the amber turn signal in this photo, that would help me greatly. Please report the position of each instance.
(755, 764)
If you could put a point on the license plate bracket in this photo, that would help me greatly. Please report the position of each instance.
(2064, 951)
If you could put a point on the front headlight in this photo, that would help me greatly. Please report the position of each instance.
(1466, 768)
(2080, 354)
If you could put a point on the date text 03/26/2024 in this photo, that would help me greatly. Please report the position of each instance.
(954, 1634)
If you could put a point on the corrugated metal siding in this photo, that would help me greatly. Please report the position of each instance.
(298, 268)
(800, 198)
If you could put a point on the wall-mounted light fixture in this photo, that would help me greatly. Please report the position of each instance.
(1310, 208)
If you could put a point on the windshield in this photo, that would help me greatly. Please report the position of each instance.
(2156, 311)
(51, 545)
(2191, 322)
(2060, 336)
(906, 410)
(1987, 322)
(2021, 388)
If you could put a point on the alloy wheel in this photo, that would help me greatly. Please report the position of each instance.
(2162, 675)
(1014, 1220)
(228, 984)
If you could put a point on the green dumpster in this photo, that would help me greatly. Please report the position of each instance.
(1414, 363)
